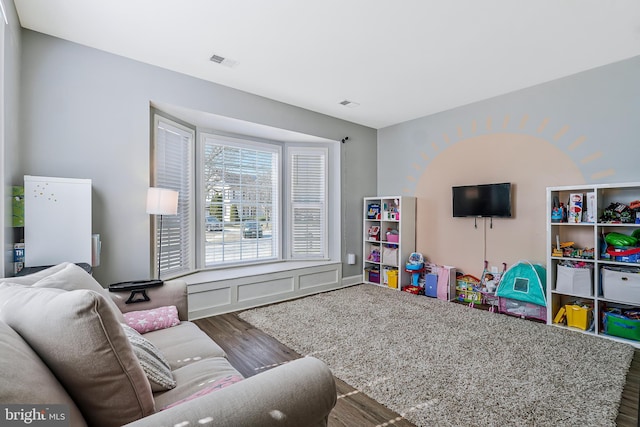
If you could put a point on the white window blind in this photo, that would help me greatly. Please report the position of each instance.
(308, 201)
(241, 190)
(173, 167)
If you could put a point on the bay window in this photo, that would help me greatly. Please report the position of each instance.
(241, 201)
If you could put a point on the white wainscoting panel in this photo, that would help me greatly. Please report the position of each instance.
(217, 292)
(265, 289)
(320, 278)
(212, 298)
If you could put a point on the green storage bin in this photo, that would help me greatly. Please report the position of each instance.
(620, 326)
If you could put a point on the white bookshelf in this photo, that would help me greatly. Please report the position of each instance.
(396, 214)
(591, 289)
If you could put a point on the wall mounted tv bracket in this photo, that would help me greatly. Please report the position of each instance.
(138, 289)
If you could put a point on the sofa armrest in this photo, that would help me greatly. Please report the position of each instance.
(172, 292)
(299, 393)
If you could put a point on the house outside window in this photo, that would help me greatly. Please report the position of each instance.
(241, 190)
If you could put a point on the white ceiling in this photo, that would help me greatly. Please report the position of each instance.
(398, 59)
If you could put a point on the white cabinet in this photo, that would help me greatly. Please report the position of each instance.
(389, 238)
(595, 289)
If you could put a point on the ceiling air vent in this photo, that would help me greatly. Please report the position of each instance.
(222, 60)
(349, 104)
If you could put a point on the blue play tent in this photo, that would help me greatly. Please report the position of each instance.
(525, 282)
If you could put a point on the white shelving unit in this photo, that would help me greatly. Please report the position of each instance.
(588, 235)
(395, 214)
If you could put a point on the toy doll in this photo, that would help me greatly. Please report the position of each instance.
(489, 283)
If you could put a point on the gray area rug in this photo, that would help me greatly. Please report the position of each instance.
(443, 364)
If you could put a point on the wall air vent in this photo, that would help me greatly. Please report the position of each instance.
(217, 59)
(349, 104)
(222, 60)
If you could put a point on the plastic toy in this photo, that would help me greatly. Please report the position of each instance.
(374, 232)
(415, 266)
(522, 291)
(618, 239)
(489, 285)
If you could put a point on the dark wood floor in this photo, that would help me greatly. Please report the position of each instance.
(252, 351)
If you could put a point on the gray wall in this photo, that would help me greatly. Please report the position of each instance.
(11, 157)
(85, 114)
(600, 104)
(575, 130)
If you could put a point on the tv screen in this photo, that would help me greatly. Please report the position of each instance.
(482, 200)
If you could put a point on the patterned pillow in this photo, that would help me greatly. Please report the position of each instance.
(216, 385)
(151, 320)
(153, 362)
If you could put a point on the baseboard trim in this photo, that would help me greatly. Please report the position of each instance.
(351, 280)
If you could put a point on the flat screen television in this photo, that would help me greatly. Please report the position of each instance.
(485, 200)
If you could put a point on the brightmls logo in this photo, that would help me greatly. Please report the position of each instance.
(34, 415)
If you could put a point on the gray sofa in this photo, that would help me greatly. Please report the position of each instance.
(62, 342)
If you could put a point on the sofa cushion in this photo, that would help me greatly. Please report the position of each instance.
(66, 276)
(153, 362)
(153, 319)
(196, 378)
(211, 386)
(184, 344)
(30, 279)
(25, 379)
(70, 277)
(80, 339)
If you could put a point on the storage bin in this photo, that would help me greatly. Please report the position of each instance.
(574, 281)
(578, 316)
(393, 238)
(390, 255)
(620, 326)
(522, 309)
(621, 285)
(392, 278)
(374, 276)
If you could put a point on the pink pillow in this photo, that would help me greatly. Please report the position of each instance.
(216, 385)
(152, 320)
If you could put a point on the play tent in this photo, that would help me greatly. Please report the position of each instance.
(525, 282)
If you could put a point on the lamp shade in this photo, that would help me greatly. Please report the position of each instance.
(162, 201)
